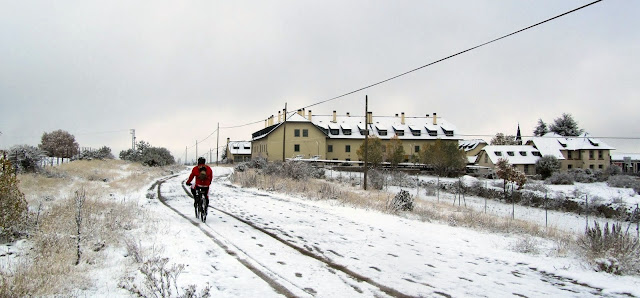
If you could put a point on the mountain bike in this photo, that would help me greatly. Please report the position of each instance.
(201, 205)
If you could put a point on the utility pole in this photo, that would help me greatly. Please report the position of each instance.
(186, 148)
(366, 138)
(217, 143)
(196, 149)
(284, 134)
(133, 139)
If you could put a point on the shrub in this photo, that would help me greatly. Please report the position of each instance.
(624, 181)
(583, 175)
(13, 206)
(403, 201)
(560, 178)
(26, 158)
(103, 153)
(547, 165)
(611, 250)
(148, 155)
(375, 179)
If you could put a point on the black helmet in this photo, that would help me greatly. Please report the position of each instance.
(201, 160)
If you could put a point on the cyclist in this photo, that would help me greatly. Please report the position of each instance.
(203, 175)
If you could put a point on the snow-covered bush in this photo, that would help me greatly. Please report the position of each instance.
(403, 201)
(527, 245)
(610, 249)
(624, 181)
(560, 178)
(26, 158)
(376, 179)
(547, 165)
(583, 175)
(103, 153)
(148, 155)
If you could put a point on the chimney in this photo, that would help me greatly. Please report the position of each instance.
(369, 117)
(279, 117)
(266, 122)
(300, 112)
(435, 121)
(228, 140)
(348, 114)
(334, 117)
(402, 118)
(309, 115)
(272, 120)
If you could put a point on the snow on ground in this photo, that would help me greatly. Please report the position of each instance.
(318, 248)
(261, 244)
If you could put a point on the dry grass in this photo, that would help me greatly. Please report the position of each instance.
(49, 267)
(349, 195)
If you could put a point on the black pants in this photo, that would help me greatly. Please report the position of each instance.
(203, 190)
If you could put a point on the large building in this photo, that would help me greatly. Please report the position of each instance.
(338, 137)
(629, 163)
(581, 152)
(522, 157)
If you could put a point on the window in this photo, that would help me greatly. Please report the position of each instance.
(523, 153)
(448, 133)
(346, 132)
(510, 153)
(382, 131)
(348, 159)
(569, 167)
(600, 154)
(347, 148)
(590, 154)
(526, 169)
(417, 148)
(591, 167)
(329, 148)
(305, 133)
(296, 132)
(536, 153)
(334, 131)
(498, 153)
(486, 158)
(296, 147)
(432, 133)
(415, 133)
(568, 154)
(600, 166)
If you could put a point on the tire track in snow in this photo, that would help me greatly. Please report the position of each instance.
(275, 284)
(356, 276)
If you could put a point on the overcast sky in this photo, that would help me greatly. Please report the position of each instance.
(173, 70)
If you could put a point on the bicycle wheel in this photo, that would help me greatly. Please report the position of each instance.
(205, 208)
(196, 204)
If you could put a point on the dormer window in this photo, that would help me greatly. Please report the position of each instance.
(346, 130)
(381, 131)
(536, 153)
(334, 131)
(510, 153)
(433, 133)
(523, 153)
(498, 153)
(448, 133)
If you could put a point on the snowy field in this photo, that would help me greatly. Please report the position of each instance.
(261, 244)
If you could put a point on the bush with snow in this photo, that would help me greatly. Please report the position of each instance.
(624, 181)
(610, 249)
(403, 201)
(560, 178)
(26, 158)
(103, 153)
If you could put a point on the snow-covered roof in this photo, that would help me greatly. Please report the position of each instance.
(385, 128)
(468, 145)
(240, 147)
(552, 144)
(515, 154)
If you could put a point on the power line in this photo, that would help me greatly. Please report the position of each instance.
(438, 61)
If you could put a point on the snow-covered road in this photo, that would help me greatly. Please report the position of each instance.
(260, 243)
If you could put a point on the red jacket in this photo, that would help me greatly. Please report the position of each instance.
(195, 173)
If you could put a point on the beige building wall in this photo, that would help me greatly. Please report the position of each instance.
(586, 159)
(302, 139)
